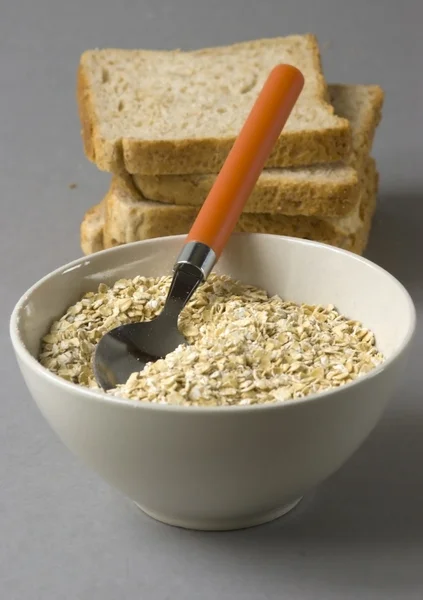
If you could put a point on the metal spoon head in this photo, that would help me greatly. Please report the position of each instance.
(128, 348)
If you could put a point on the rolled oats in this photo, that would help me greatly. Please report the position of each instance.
(244, 347)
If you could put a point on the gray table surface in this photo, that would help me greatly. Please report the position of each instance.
(64, 534)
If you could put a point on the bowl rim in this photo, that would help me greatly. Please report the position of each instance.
(90, 394)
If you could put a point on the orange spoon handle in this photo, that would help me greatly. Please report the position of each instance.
(238, 176)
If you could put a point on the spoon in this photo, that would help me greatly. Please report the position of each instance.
(128, 348)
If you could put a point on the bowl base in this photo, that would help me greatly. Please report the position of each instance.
(224, 525)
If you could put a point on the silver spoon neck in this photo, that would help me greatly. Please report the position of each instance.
(186, 280)
(192, 267)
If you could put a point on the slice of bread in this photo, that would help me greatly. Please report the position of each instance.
(91, 232)
(122, 218)
(320, 190)
(173, 112)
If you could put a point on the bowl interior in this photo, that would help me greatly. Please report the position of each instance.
(296, 270)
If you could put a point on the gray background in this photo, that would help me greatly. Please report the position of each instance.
(64, 534)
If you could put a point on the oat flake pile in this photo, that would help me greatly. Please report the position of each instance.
(244, 346)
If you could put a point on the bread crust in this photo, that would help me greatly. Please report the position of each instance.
(125, 218)
(91, 230)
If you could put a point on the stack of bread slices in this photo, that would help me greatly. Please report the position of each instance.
(163, 123)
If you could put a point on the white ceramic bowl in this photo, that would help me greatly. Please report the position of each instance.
(227, 467)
